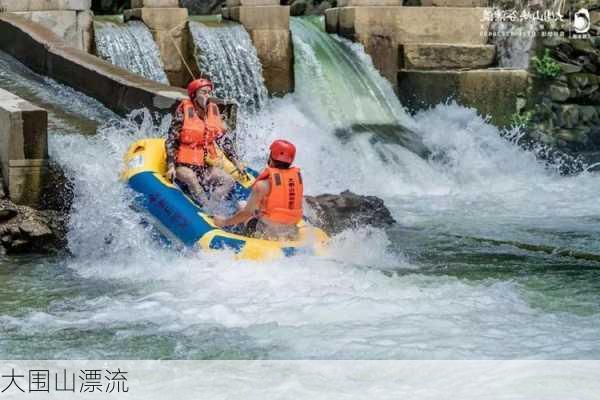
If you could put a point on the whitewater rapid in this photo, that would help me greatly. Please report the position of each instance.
(423, 289)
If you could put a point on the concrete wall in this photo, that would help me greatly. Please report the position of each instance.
(268, 26)
(168, 24)
(382, 29)
(47, 54)
(23, 148)
(69, 19)
(493, 92)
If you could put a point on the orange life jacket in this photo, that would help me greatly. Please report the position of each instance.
(198, 134)
(283, 203)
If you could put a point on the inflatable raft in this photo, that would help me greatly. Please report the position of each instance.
(180, 219)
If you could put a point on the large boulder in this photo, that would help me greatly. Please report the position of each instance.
(337, 212)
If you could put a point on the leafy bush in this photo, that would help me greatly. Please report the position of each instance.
(521, 120)
(547, 66)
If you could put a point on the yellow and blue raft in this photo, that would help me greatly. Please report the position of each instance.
(179, 218)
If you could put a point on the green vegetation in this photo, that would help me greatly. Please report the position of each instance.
(547, 66)
(518, 119)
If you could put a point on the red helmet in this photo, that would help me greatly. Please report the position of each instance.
(282, 150)
(198, 84)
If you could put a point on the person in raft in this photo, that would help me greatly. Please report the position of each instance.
(196, 129)
(274, 207)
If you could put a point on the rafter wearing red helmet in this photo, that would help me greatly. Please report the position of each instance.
(196, 130)
(275, 204)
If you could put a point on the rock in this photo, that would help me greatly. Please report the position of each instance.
(569, 115)
(32, 231)
(202, 7)
(298, 7)
(569, 68)
(583, 84)
(7, 211)
(588, 114)
(559, 93)
(589, 66)
(335, 213)
(320, 9)
(583, 46)
(555, 41)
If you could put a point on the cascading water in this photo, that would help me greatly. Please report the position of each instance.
(514, 41)
(131, 47)
(227, 56)
(431, 287)
(330, 70)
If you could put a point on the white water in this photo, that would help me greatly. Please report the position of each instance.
(131, 47)
(341, 306)
(514, 42)
(226, 55)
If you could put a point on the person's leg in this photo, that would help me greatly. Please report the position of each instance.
(221, 184)
(216, 184)
(190, 178)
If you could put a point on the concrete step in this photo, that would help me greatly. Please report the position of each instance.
(494, 91)
(368, 3)
(158, 18)
(459, 25)
(154, 3)
(236, 3)
(427, 56)
(259, 17)
(45, 5)
(455, 3)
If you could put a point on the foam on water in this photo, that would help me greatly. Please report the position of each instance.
(133, 298)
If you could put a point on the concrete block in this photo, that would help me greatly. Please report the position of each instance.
(274, 49)
(26, 181)
(492, 92)
(441, 25)
(332, 20)
(47, 54)
(158, 18)
(45, 5)
(595, 17)
(23, 137)
(261, 17)
(417, 24)
(446, 56)
(85, 21)
(455, 3)
(154, 3)
(236, 3)
(368, 3)
(62, 23)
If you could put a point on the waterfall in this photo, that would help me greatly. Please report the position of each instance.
(339, 87)
(131, 47)
(513, 43)
(426, 289)
(227, 56)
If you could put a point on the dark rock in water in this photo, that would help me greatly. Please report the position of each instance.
(7, 211)
(298, 7)
(335, 213)
(202, 7)
(308, 7)
(29, 230)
